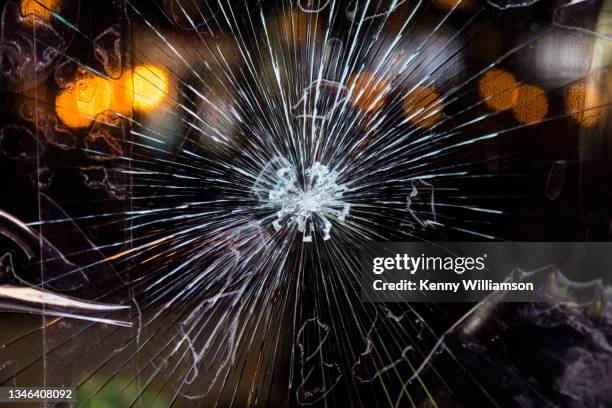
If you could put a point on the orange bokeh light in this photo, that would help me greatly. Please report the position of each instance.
(499, 89)
(149, 87)
(299, 28)
(423, 107)
(33, 9)
(584, 103)
(90, 96)
(532, 104)
(368, 91)
(143, 89)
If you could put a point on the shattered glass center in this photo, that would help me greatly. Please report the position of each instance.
(309, 204)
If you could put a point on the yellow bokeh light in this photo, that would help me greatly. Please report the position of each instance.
(532, 104)
(68, 111)
(585, 104)
(90, 96)
(368, 91)
(78, 106)
(33, 9)
(498, 88)
(149, 87)
(144, 89)
(423, 107)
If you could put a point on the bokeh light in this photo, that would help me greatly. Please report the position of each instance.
(368, 91)
(423, 107)
(584, 103)
(143, 89)
(498, 89)
(33, 9)
(149, 87)
(78, 106)
(91, 95)
(299, 28)
(532, 104)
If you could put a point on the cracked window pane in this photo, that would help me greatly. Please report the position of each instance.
(187, 185)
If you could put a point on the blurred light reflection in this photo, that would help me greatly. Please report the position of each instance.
(33, 9)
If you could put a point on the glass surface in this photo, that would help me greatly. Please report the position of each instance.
(187, 184)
